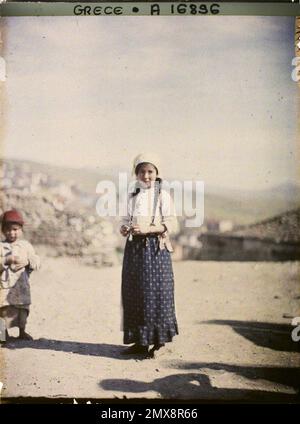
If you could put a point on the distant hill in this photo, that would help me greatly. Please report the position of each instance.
(86, 179)
(247, 207)
(241, 207)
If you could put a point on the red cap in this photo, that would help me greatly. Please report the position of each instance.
(12, 216)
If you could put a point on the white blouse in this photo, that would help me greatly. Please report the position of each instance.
(140, 207)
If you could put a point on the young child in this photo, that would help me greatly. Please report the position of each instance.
(147, 275)
(17, 261)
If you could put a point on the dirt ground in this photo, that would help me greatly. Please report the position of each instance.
(234, 341)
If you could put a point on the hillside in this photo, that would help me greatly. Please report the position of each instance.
(240, 207)
(86, 179)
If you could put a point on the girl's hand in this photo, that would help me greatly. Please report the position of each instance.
(15, 260)
(135, 229)
(19, 260)
(124, 230)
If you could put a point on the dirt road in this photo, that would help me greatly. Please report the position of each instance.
(234, 342)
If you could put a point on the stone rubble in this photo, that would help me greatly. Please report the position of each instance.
(63, 225)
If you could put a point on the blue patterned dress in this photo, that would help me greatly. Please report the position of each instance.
(148, 293)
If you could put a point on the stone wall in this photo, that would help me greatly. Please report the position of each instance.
(72, 232)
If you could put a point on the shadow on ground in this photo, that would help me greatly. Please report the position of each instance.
(279, 375)
(197, 385)
(270, 335)
(80, 348)
(193, 386)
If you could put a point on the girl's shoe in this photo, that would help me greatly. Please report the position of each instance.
(25, 336)
(135, 349)
(154, 351)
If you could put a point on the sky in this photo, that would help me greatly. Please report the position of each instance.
(212, 96)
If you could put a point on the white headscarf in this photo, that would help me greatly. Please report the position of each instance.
(146, 157)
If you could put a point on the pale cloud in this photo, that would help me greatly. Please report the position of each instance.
(209, 91)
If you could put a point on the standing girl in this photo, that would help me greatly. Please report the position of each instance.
(147, 275)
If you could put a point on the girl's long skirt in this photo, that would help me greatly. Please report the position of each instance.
(148, 293)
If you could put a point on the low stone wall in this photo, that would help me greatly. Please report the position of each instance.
(72, 232)
(232, 248)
